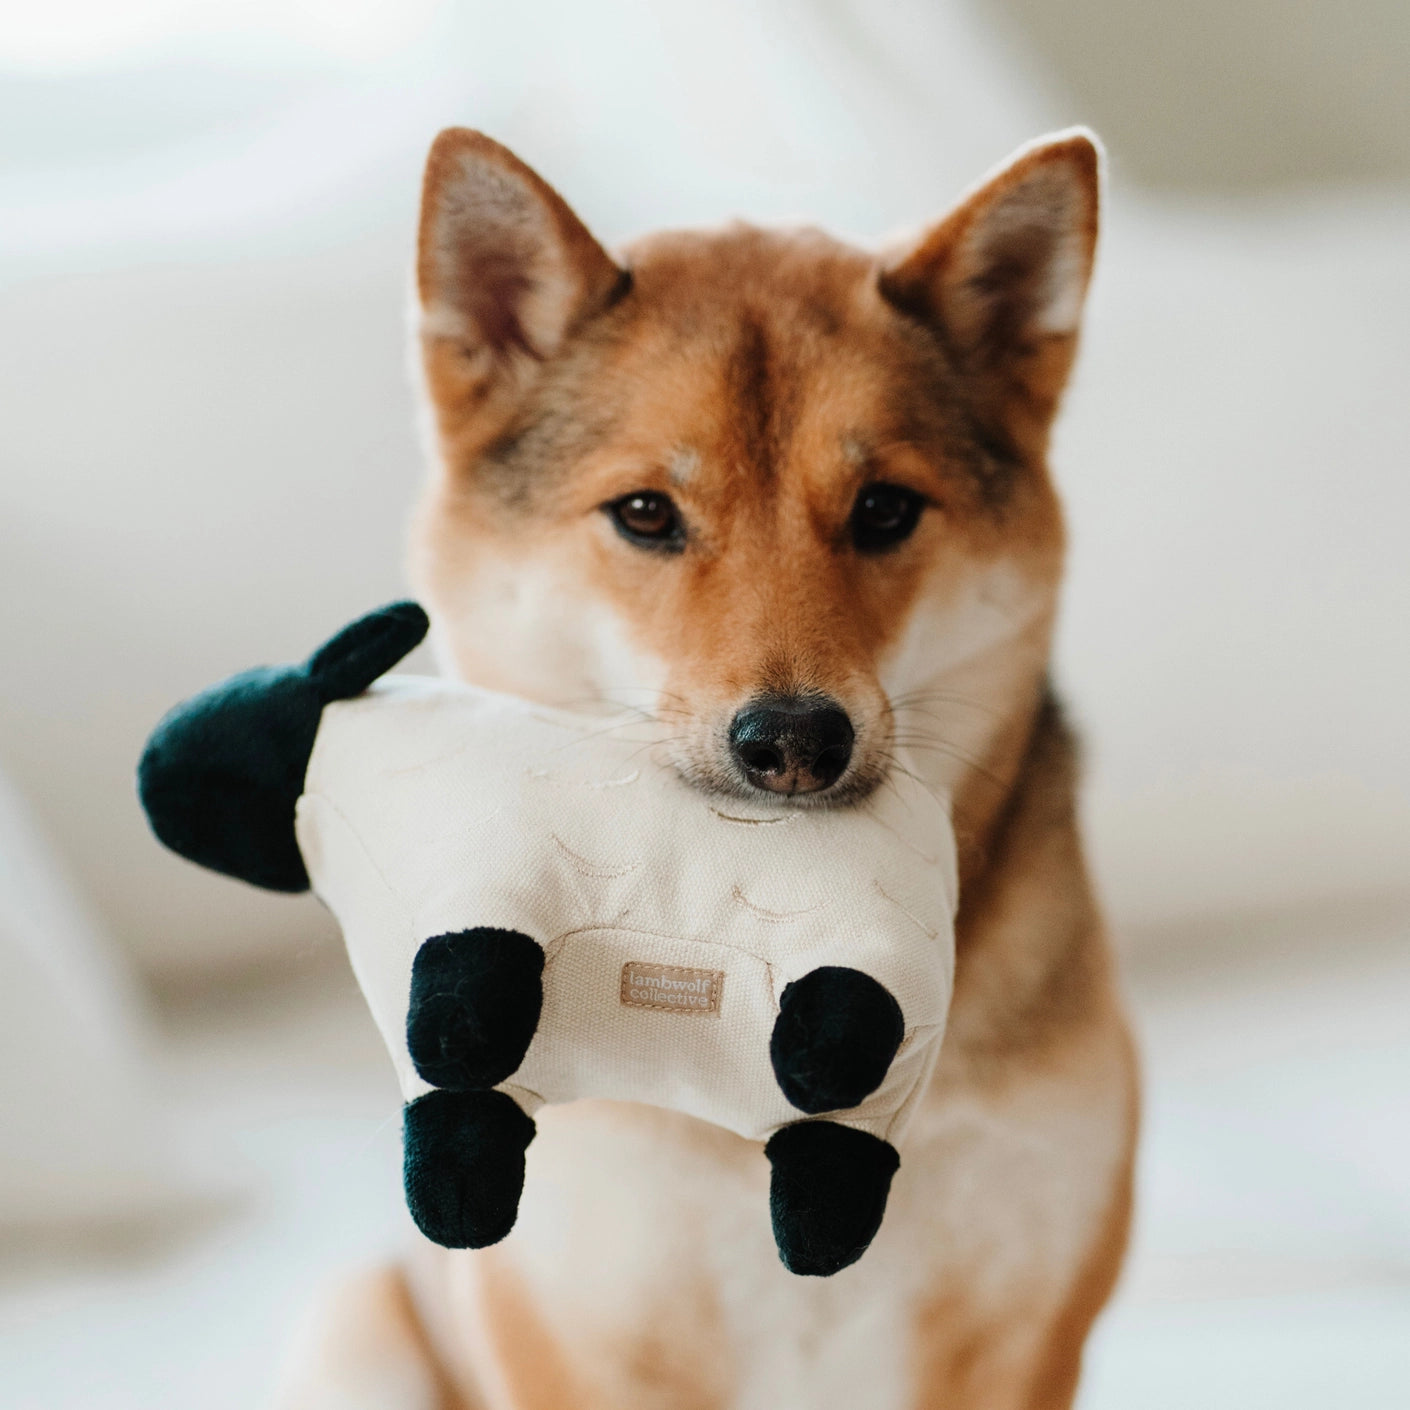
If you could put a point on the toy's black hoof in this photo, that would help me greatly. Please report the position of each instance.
(836, 1033)
(475, 1001)
(464, 1166)
(827, 1195)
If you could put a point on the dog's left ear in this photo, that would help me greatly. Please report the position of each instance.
(505, 273)
(1002, 280)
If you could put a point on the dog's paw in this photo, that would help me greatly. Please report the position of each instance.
(475, 1002)
(835, 1036)
(827, 1194)
(464, 1165)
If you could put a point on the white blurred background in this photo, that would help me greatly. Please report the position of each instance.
(208, 453)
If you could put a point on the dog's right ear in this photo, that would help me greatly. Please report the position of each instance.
(505, 271)
(1002, 280)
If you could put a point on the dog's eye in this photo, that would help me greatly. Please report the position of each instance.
(648, 519)
(883, 516)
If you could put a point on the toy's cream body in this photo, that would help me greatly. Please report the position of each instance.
(671, 922)
(539, 911)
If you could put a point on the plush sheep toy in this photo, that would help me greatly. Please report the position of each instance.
(537, 910)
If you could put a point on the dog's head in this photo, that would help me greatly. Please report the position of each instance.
(785, 495)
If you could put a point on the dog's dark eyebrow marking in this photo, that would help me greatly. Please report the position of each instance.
(563, 419)
(539, 450)
(949, 434)
(993, 464)
(511, 462)
(950, 423)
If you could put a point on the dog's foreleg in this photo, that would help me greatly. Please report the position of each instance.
(362, 1347)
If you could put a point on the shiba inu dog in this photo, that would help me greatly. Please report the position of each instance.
(789, 499)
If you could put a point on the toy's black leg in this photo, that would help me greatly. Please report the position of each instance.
(827, 1194)
(836, 1033)
(464, 1167)
(222, 772)
(475, 1001)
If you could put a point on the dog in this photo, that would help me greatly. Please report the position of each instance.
(788, 499)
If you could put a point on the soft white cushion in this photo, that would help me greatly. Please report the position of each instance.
(80, 1139)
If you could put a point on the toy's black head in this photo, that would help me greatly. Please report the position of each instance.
(223, 771)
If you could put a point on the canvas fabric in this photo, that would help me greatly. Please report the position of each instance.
(432, 807)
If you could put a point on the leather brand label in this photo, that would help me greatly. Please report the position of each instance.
(671, 989)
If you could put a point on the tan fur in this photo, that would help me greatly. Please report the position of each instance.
(761, 379)
(363, 1344)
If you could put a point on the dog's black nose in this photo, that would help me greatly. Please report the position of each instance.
(792, 743)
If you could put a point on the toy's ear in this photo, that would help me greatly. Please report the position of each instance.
(1003, 277)
(221, 775)
(348, 663)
